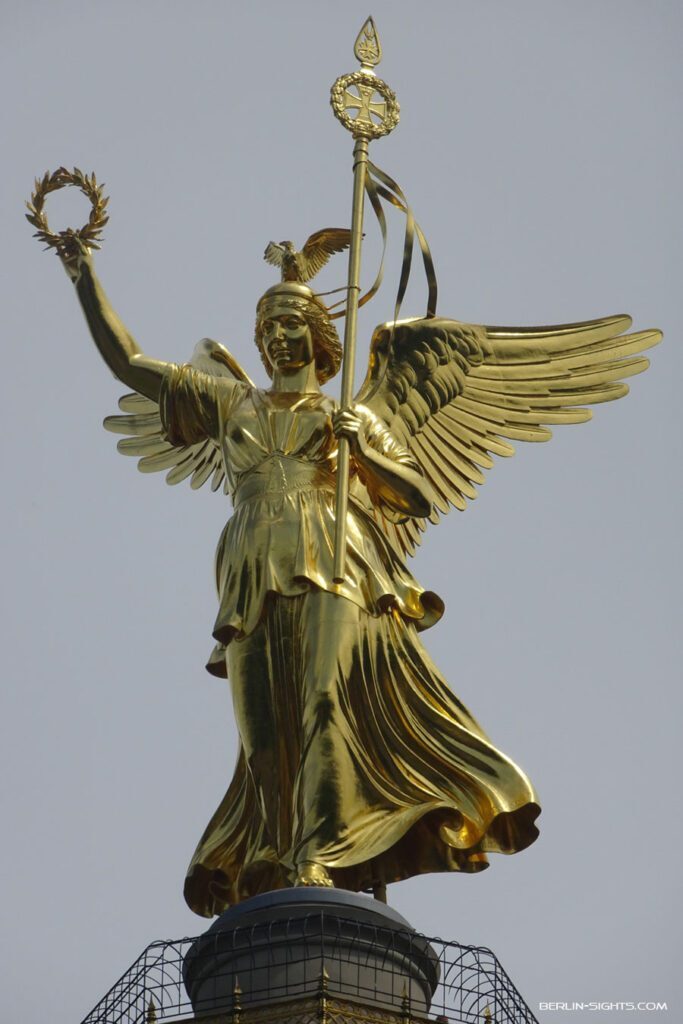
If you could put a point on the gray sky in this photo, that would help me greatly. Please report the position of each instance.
(540, 145)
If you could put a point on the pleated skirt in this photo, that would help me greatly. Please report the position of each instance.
(354, 753)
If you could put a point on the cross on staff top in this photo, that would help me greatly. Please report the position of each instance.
(364, 104)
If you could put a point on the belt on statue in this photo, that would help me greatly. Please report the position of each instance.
(280, 474)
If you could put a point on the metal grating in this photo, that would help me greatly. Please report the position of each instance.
(472, 986)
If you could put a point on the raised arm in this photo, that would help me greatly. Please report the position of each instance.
(118, 348)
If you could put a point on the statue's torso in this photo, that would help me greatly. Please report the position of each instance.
(280, 458)
(275, 441)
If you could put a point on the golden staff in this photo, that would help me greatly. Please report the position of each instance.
(367, 107)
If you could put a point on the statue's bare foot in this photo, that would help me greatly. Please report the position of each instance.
(310, 873)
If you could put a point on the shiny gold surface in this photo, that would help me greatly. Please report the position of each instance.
(365, 105)
(302, 266)
(455, 394)
(311, 1010)
(371, 119)
(357, 764)
(360, 154)
(66, 241)
(367, 47)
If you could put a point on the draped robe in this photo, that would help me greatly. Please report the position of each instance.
(354, 752)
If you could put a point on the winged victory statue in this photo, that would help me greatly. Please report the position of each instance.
(357, 766)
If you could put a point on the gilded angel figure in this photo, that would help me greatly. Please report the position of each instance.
(358, 766)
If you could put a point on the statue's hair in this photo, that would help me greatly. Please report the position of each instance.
(326, 344)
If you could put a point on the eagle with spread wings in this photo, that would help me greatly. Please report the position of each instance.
(453, 394)
(304, 265)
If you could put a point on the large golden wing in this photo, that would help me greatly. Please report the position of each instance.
(455, 394)
(144, 432)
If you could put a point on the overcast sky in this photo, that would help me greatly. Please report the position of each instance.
(540, 146)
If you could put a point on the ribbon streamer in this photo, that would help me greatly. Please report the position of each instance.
(379, 186)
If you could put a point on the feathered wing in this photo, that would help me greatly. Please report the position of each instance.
(321, 245)
(274, 254)
(141, 423)
(455, 394)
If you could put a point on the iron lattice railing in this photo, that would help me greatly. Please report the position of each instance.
(471, 985)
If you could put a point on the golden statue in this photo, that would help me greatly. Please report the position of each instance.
(357, 764)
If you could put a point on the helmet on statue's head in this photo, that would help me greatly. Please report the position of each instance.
(296, 296)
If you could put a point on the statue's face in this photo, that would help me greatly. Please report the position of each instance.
(286, 337)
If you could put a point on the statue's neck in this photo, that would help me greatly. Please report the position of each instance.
(303, 381)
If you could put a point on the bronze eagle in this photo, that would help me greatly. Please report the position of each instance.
(302, 266)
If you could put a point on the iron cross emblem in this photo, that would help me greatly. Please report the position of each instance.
(365, 104)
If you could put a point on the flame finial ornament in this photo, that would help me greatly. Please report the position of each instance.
(367, 48)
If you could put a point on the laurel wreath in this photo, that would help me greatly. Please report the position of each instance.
(365, 129)
(65, 241)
